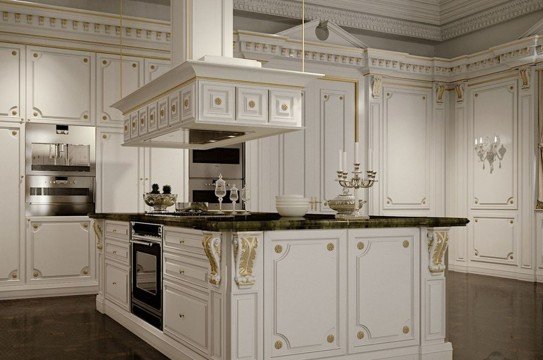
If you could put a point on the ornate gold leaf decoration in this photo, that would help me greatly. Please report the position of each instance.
(212, 248)
(525, 77)
(440, 92)
(98, 234)
(376, 86)
(438, 241)
(245, 248)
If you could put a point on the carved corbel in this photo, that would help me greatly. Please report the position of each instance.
(438, 242)
(459, 90)
(245, 251)
(376, 86)
(98, 233)
(440, 93)
(212, 248)
(524, 74)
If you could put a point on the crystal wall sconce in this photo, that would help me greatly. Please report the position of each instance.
(489, 150)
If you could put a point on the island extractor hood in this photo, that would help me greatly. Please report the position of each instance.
(210, 98)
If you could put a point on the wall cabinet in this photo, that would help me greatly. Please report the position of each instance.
(154, 68)
(12, 195)
(108, 82)
(60, 251)
(60, 85)
(12, 80)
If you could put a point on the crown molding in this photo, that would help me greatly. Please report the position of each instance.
(383, 24)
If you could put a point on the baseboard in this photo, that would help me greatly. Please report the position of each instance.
(507, 274)
(437, 352)
(29, 292)
(100, 304)
(458, 268)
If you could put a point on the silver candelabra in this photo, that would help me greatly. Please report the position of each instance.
(356, 182)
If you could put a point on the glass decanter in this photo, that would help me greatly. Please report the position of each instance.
(234, 196)
(220, 191)
(245, 197)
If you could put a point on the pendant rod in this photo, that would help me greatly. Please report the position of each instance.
(121, 49)
(303, 35)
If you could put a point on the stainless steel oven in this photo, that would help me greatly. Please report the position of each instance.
(146, 272)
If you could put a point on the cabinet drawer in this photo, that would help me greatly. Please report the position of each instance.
(134, 125)
(117, 251)
(186, 315)
(186, 268)
(117, 284)
(174, 108)
(126, 129)
(187, 103)
(286, 107)
(252, 105)
(152, 123)
(117, 229)
(218, 101)
(142, 114)
(163, 112)
(184, 239)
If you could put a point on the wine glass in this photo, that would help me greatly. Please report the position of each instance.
(245, 198)
(234, 196)
(220, 191)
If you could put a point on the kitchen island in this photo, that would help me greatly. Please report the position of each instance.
(263, 287)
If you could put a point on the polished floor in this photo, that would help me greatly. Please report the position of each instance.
(487, 319)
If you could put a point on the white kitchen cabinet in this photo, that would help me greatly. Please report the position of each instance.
(388, 314)
(12, 195)
(60, 85)
(154, 68)
(60, 250)
(108, 85)
(306, 288)
(117, 287)
(168, 167)
(12, 82)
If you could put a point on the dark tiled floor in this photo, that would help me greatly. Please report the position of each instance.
(487, 319)
(494, 319)
(67, 328)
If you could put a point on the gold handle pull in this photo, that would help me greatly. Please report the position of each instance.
(182, 316)
(405, 329)
(252, 104)
(330, 338)
(186, 103)
(182, 271)
(181, 241)
(114, 283)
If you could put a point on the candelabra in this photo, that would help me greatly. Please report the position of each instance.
(355, 182)
(490, 151)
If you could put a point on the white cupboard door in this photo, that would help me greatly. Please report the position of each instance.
(60, 85)
(119, 173)
(154, 68)
(108, 80)
(12, 73)
(383, 288)
(12, 195)
(60, 251)
(306, 289)
(169, 167)
(118, 284)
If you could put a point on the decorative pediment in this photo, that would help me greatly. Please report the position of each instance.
(335, 34)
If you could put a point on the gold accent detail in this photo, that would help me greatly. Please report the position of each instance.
(85, 60)
(278, 344)
(405, 243)
(114, 252)
(360, 245)
(476, 94)
(511, 221)
(278, 249)
(360, 335)
(181, 241)
(252, 104)
(440, 91)
(405, 329)
(14, 275)
(284, 107)
(218, 101)
(186, 103)
(212, 248)
(35, 113)
(14, 133)
(438, 243)
(153, 67)
(104, 117)
(424, 98)
(104, 62)
(325, 97)
(14, 53)
(98, 234)
(330, 338)
(182, 316)
(182, 272)
(134, 65)
(511, 87)
(173, 108)
(525, 77)
(35, 274)
(161, 112)
(85, 272)
(14, 112)
(85, 116)
(105, 136)
(35, 227)
(330, 247)
(142, 121)
(35, 55)
(114, 283)
(245, 255)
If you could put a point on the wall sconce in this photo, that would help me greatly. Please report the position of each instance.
(488, 150)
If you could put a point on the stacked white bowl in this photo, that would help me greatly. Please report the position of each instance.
(291, 205)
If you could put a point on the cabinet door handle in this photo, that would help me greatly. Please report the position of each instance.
(181, 241)
(182, 271)
(114, 283)
(114, 252)
(182, 316)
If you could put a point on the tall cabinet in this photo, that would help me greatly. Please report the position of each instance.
(12, 73)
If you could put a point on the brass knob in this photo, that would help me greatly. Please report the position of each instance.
(35, 55)
(85, 60)
(218, 101)
(114, 252)
(284, 107)
(14, 276)
(104, 117)
(85, 272)
(476, 94)
(186, 103)
(330, 338)
(182, 316)
(405, 243)
(35, 113)
(35, 274)
(14, 53)
(252, 104)
(405, 329)
(181, 241)
(330, 247)
(14, 133)
(278, 249)
(104, 137)
(278, 344)
(14, 112)
(360, 335)
(104, 62)
(360, 245)
(153, 67)
(134, 65)
(114, 283)
(182, 271)
(85, 116)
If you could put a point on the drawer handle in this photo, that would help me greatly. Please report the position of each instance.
(181, 241)
(114, 230)
(114, 252)
(114, 283)
(181, 316)
(181, 271)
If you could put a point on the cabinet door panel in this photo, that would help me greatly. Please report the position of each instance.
(59, 250)
(304, 266)
(117, 284)
(109, 84)
(167, 167)
(11, 193)
(60, 85)
(155, 68)
(12, 74)
(383, 312)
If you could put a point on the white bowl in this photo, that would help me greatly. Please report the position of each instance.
(292, 210)
(298, 202)
(289, 197)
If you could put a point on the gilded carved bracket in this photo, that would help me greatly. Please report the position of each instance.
(525, 77)
(98, 233)
(459, 90)
(245, 252)
(438, 242)
(440, 92)
(212, 248)
(376, 86)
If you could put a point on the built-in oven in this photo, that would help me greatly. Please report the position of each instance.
(203, 190)
(146, 272)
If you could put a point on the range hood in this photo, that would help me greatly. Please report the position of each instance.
(210, 98)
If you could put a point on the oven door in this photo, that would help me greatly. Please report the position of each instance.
(147, 273)
(207, 164)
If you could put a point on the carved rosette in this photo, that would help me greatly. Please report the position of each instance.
(212, 248)
(245, 251)
(438, 242)
(376, 86)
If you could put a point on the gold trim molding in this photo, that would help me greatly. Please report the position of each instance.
(212, 248)
(245, 252)
(438, 242)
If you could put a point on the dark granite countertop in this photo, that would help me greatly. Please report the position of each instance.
(273, 221)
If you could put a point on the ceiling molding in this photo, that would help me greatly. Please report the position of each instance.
(349, 17)
(537, 29)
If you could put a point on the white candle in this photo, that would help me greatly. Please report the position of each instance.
(356, 150)
(340, 160)
(345, 161)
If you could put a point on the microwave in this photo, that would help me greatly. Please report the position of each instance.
(208, 164)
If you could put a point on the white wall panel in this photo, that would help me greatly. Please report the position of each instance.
(494, 238)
